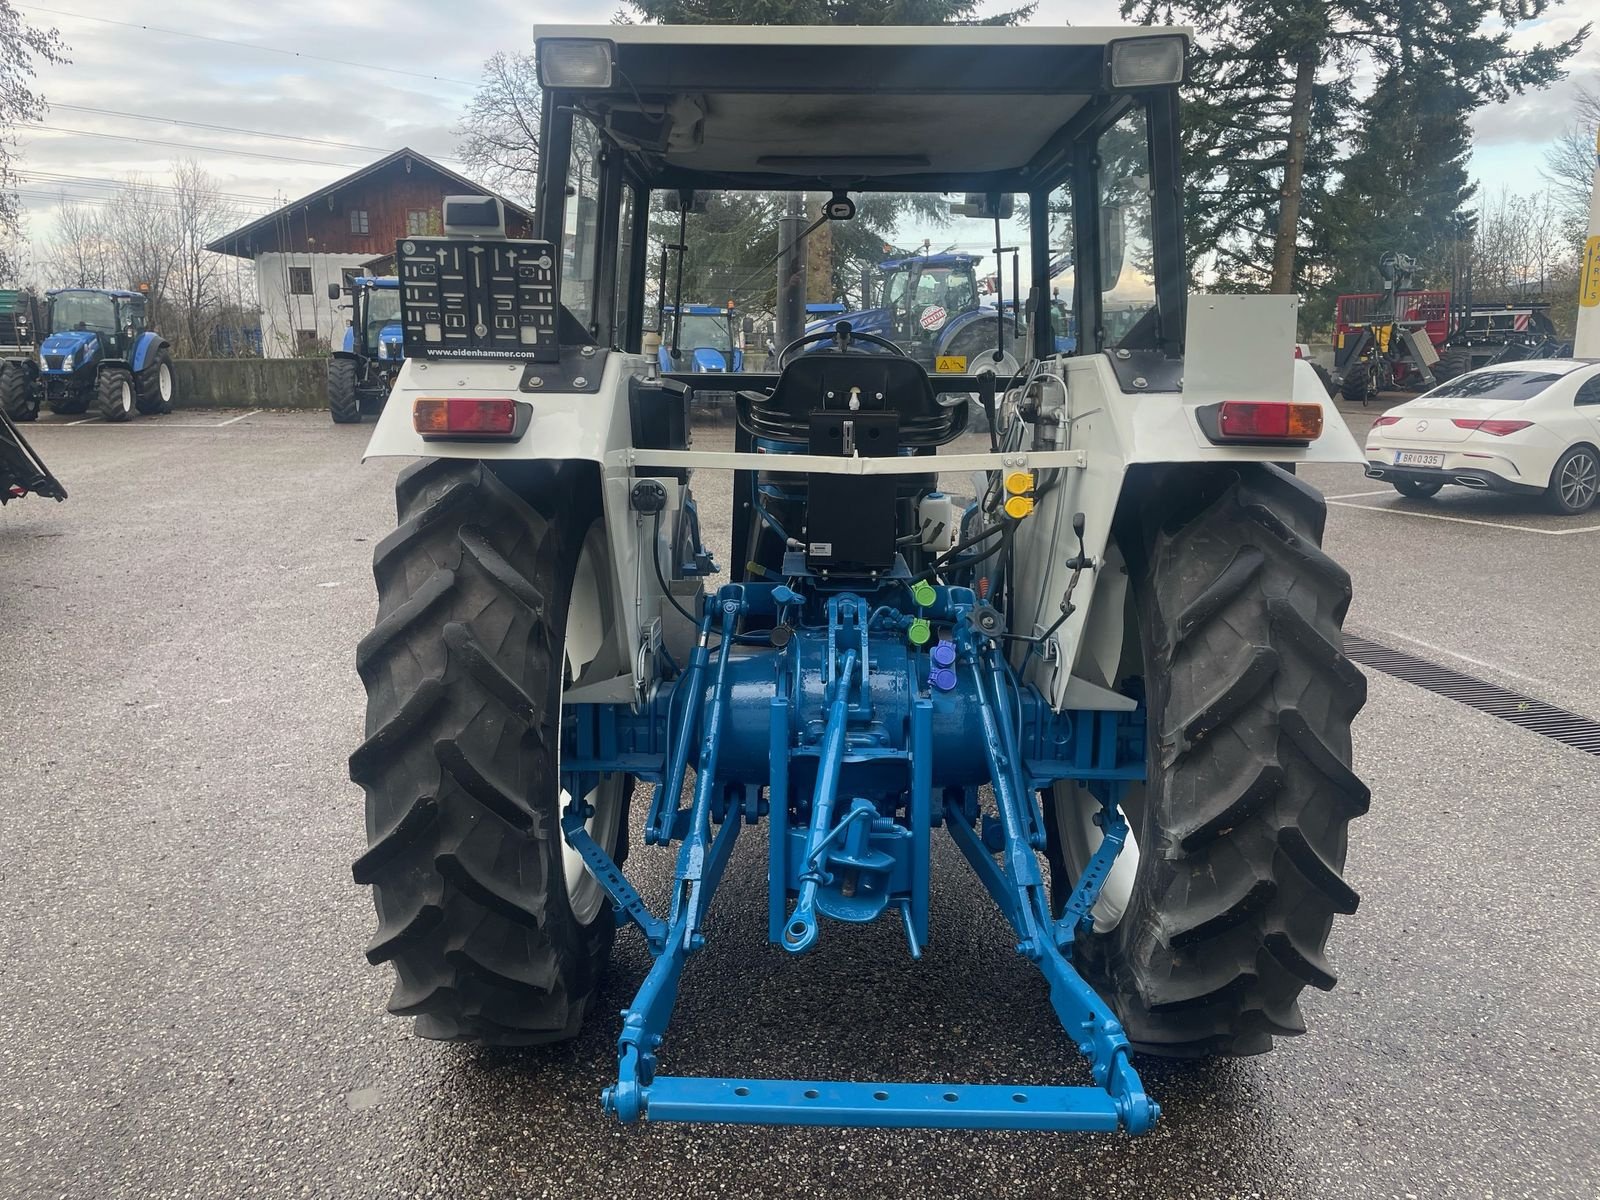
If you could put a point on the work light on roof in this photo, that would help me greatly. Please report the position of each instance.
(1146, 62)
(575, 62)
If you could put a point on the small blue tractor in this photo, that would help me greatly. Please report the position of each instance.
(1109, 678)
(361, 371)
(704, 337)
(95, 353)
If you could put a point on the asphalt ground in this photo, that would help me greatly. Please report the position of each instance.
(185, 1011)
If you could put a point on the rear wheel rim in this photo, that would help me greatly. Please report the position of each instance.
(585, 638)
(127, 396)
(1579, 478)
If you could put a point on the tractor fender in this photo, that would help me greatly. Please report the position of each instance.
(589, 426)
(349, 344)
(146, 348)
(352, 357)
(1124, 428)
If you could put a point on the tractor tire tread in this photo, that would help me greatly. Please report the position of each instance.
(464, 844)
(344, 405)
(1244, 828)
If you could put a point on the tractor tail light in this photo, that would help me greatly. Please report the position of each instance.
(435, 417)
(1494, 428)
(1382, 421)
(1261, 421)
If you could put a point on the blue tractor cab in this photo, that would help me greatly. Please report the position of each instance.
(705, 339)
(95, 352)
(930, 305)
(362, 370)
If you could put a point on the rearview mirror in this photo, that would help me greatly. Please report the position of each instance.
(749, 326)
(333, 291)
(988, 206)
(685, 201)
(1111, 246)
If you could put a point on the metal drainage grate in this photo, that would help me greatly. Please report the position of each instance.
(1545, 719)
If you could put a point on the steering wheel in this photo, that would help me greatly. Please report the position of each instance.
(843, 332)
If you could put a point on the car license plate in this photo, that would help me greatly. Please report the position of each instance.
(1417, 458)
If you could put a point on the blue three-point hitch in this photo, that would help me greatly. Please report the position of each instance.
(837, 728)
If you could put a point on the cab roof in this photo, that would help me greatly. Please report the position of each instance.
(119, 293)
(914, 108)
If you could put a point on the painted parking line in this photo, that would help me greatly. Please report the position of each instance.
(1354, 495)
(1400, 512)
(1393, 636)
(149, 424)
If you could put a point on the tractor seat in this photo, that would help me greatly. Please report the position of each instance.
(824, 381)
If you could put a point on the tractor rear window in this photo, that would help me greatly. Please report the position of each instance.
(1496, 385)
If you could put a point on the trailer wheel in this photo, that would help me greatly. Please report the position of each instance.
(1358, 383)
(155, 384)
(1206, 942)
(344, 405)
(18, 396)
(497, 932)
(114, 394)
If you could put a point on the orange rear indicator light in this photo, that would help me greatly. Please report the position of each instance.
(455, 417)
(1261, 421)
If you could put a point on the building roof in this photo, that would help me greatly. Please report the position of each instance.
(238, 242)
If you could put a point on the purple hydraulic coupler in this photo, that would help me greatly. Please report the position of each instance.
(944, 654)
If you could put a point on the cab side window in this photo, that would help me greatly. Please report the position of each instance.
(1589, 393)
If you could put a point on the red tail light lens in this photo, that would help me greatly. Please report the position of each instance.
(1268, 421)
(1382, 421)
(1496, 428)
(442, 418)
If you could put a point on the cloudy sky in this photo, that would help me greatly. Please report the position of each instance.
(142, 59)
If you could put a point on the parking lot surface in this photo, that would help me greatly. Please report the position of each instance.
(185, 1011)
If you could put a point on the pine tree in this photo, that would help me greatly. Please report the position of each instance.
(1270, 101)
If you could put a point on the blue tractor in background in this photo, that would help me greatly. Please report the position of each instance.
(361, 372)
(930, 306)
(705, 339)
(95, 354)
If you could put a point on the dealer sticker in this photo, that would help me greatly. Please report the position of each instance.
(933, 317)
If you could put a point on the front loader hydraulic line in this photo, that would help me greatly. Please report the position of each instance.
(821, 735)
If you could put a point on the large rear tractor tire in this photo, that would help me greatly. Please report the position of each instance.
(1230, 893)
(156, 384)
(114, 394)
(18, 396)
(344, 405)
(497, 933)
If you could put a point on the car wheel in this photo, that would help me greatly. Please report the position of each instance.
(1417, 489)
(1574, 481)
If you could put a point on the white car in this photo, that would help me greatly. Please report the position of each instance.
(1525, 428)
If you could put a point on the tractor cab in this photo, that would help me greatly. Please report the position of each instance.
(917, 301)
(374, 330)
(704, 337)
(84, 325)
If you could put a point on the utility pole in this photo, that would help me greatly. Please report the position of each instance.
(1587, 342)
(791, 271)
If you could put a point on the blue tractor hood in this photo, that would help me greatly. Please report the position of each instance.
(698, 360)
(866, 320)
(66, 345)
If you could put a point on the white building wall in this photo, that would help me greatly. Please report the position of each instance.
(285, 316)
